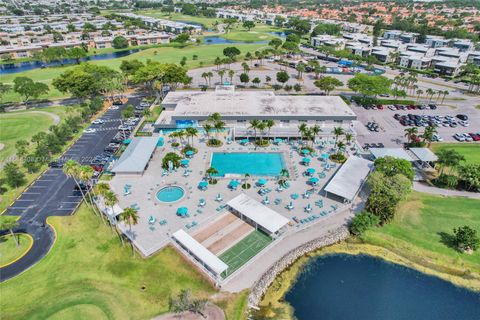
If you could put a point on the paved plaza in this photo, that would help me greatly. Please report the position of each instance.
(159, 220)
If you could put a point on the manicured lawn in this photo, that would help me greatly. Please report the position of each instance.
(20, 125)
(206, 55)
(9, 250)
(89, 272)
(246, 249)
(246, 36)
(207, 22)
(471, 151)
(421, 229)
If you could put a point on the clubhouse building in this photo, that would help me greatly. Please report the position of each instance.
(237, 108)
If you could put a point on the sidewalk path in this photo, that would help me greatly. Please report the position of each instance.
(421, 187)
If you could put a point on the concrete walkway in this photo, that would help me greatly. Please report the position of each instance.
(251, 272)
(421, 187)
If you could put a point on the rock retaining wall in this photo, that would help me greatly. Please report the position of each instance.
(261, 285)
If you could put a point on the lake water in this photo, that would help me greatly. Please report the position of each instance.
(26, 66)
(362, 287)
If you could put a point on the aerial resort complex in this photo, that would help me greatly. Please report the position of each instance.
(227, 193)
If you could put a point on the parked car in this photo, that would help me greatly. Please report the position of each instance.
(98, 121)
(56, 164)
(90, 130)
(144, 104)
(475, 136)
(459, 137)
(463, 117)
(467, 137)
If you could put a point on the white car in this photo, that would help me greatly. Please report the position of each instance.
(437, 138)
(120, 127)
(114, 108)
(464, 123)
(467, 137)
(90, 130)
(98, 121)
(144, 104)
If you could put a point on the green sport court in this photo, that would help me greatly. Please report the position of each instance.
(247, 248)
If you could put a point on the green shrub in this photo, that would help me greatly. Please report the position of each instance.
(362, 222)
(446, 181)
(214, 142)
(338, 157)
(173, 157)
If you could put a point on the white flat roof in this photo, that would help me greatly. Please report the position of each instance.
(255, 211)
(202, 253)
(390, 152)
(350, 177)
(424, 154)
(135, 158)
(231, 103)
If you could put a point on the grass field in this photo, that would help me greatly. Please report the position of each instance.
(88, 272)
(422, 227)
(471, 151)
(9, 250)
(206, 55)
(247, 248)
(247, 36)
(20, 125)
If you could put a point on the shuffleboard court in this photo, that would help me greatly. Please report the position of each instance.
(239, 254)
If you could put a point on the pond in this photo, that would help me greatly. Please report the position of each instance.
(362, 287)
(220, 40)
(9, 68)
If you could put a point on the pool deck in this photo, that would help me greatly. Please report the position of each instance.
(149, 238)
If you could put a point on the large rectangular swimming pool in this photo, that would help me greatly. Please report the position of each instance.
(255, 163)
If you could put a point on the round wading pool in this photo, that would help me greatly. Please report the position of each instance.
(170, 194)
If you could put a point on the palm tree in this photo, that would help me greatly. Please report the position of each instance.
(337, 131)
(316, 130)
(205, 77)
(430, 92)
(110, 199)
(246, 176)
(410, 133)
(348, 138)
(191, 132)
(207, 127)
(9, 223)
(419, 93)
(261, 127)
(130, 216)
(341, 146)
(302, 129)
(254, 125)
(269, 124)
(71, 168)
(231, 73)
(445, 93)
(85, 176)
(448, 158)
(428, 134)
(283, 176)
(210, 173)
(209, 76)
(221, 73)
(219, 126)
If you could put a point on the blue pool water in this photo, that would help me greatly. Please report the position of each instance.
(170, 194)
(362, 287)
(255, 164)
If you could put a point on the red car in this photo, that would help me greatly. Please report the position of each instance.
(475, 136)
(380, 107)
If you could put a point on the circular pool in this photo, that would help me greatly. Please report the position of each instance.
(170, 194)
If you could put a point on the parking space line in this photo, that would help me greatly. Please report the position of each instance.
(31, 192)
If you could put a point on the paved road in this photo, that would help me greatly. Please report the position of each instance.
(53, 194)
(422, 187)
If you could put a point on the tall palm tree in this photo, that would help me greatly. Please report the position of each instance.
(348, 138)
(341, 146)
(210, 173)
(302, 129)
(205, 77)
(207, 127)
(231, 73)
(316, 130)
(130, 216)
(191, 132)
(246, 176)
(221, 73)
(430, 92)
(219, 126)
(269, 124)
(261, 127)
(428, 134)
(71, 168)
(209, 76)
(419, 93)
(448, 158)
(338, 131)
(110, 199)
(445, 93)
(85, 176)
(410, 133)
(253, 124)
(283, 176)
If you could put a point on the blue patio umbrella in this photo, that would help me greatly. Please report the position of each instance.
(234, 183)
(305, 151)
(306, 160)
(244, 141)
(278, 140)
(182, 211)
(203, 184)
(310, 171)
(262, 182)
(294, 196)
(184, 162)
(189, 153)
(325, 156)
(127, 141)
(313, 180)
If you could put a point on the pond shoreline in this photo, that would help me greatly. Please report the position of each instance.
(274, 295)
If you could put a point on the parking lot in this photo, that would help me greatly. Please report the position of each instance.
(54, 194)
(391, 132)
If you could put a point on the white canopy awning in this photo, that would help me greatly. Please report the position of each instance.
(135, 158)
(200, 252)
(349, 178)
(398, 153)
(257, 212)
(424, 154)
